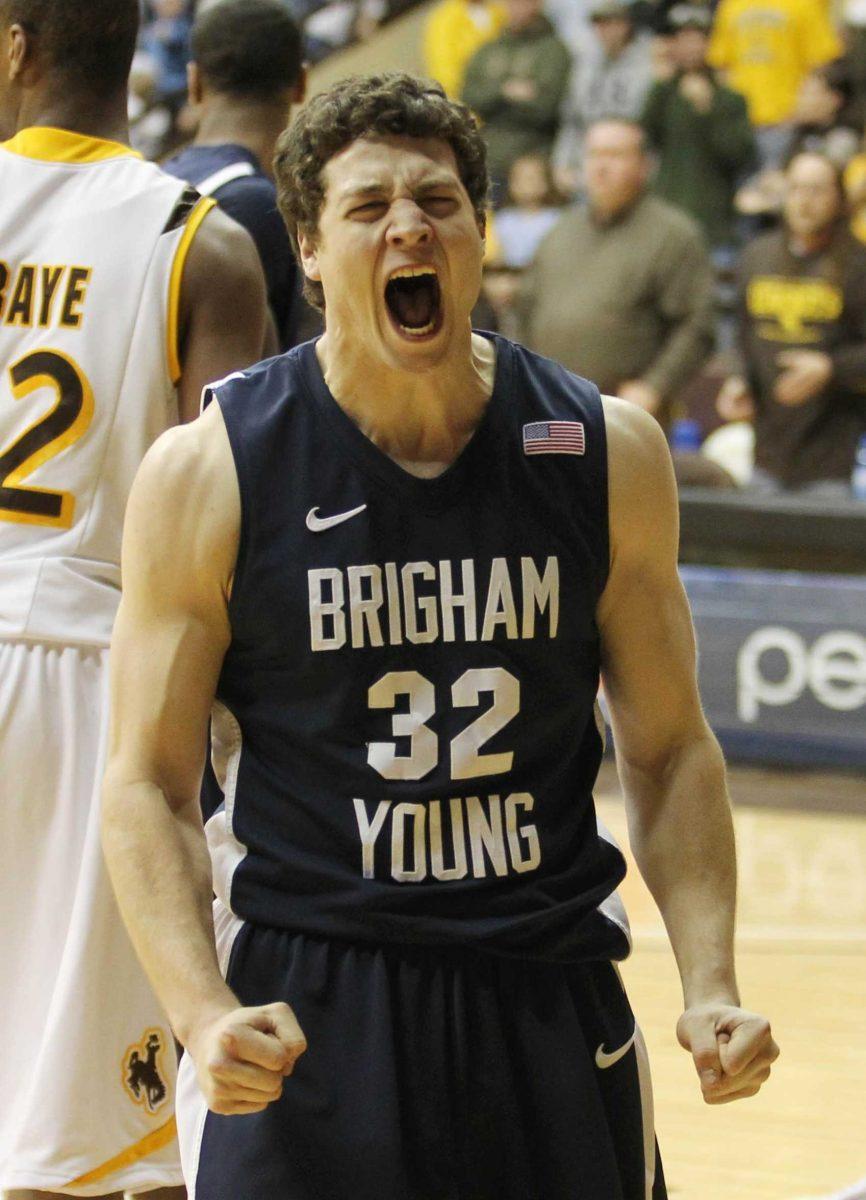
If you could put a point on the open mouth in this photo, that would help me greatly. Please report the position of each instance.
(413, 299)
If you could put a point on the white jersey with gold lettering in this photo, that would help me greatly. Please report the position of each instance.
(92, 247)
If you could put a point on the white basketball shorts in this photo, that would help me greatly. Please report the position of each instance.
(87, 1071)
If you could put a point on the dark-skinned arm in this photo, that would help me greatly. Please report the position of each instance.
(223, 309)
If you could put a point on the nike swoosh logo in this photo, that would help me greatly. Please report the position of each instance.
(603, 1060)
(319, 524)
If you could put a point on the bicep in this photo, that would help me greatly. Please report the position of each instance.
(647, 637)
(648, 668)
(164, 672)
(170, 635)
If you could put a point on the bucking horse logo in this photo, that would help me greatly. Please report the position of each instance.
(141, 1074)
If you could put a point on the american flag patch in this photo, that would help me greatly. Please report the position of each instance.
(554, 437)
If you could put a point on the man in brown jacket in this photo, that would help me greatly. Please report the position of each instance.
(620, 290)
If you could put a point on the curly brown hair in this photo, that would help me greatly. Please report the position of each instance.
(392, 104)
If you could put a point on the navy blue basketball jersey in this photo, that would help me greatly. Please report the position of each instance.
(406, 733)
(234, 177)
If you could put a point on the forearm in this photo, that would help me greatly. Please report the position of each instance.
(160, 870)
(682, 838)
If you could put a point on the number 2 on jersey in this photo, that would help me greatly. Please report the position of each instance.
(466, 762)
(66, 422)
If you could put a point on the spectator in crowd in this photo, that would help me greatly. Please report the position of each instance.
(611, 80)
(165, 39)
(571, 21)
(516, 84)
(621, 290)
(822, 122)
(150, 122)
(699, 129)
(245, 75)
(531, 214)
(767, 48)
(803, 339)
(329, 27)
(453, 32)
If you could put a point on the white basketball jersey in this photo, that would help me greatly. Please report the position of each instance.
(92, 246)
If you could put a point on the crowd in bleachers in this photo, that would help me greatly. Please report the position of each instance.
(655, 224)
(680, 214)
(160, 117)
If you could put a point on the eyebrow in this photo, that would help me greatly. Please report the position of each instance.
(376, 189)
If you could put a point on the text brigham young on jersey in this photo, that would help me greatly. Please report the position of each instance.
(419, 602)
(422, 602)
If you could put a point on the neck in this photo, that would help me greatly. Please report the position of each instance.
(422, 420)
(102, 119)
(254, 125)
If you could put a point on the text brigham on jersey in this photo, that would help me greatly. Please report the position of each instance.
(421, 602)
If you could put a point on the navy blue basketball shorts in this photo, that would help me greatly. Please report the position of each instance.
(432, 1076)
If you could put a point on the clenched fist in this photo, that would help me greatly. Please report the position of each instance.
(732, 1049)
(242, 1057)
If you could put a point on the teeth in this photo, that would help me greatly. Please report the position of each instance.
(411, 272)
(419, 330)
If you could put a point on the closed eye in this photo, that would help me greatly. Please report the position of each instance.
(369, 211)
(439, 206)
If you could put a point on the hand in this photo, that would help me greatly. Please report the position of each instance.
(521, 90)
(734, 401)
(242, 1057)
(805, 374)
(698, 90)
(732, 1050)
(644, 395)
(763, 194)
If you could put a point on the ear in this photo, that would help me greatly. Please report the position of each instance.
(193, 83)
(18, 52)
(309, 257)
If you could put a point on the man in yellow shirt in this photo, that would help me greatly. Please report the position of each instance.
(455, 29)
(767, 47)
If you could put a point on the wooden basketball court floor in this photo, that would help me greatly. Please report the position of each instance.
(802, 962)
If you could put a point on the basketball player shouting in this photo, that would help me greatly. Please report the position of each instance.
(392, 565)
(119, 290)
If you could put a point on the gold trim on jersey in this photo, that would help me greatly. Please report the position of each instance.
(64, 146)
(194, 219)
(149, 1144)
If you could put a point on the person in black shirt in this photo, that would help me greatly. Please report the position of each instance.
(247, 72)
(803, 340)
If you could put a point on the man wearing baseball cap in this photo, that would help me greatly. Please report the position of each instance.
(611, 80)
(699, 129)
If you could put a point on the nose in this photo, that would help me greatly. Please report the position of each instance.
(409, 225)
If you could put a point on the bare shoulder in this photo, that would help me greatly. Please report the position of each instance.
(637, 450)
(184, 508)
(223, 246)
